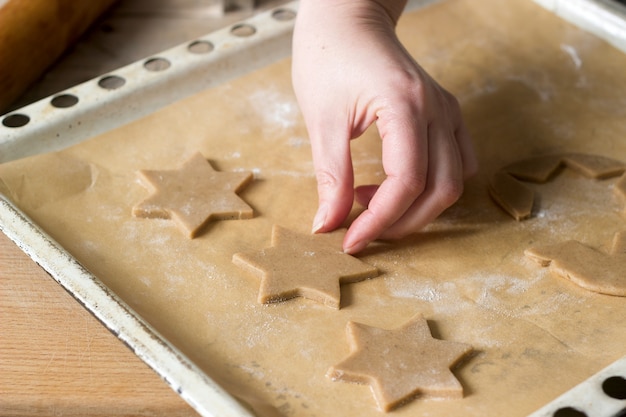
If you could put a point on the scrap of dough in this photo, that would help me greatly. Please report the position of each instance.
(588, 268)
(538, 169)
(594, 166)
(193, 195)
(311, 266)
(517, 199)
(620, 187)
(401, 363)
(513, 196)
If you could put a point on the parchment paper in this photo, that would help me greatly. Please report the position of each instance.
(529, 84)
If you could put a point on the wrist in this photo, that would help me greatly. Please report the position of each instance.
(381, 10)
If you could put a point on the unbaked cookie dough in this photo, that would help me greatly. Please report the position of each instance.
(193, 195)
(311, 266)
(507, 190)
(620, 188)
(590, 269)
(535, 336)
(401, 363)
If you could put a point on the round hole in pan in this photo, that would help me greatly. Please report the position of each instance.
(568, 412)
(243, 30)
(63, 101)
(284, 15)
(16, 120)
(156, 64)
(615, 387)
(111, 82)
(200, 47)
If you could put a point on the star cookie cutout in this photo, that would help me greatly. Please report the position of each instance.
(586, 267)
(193, 195)
(312, 266)
(401, 364)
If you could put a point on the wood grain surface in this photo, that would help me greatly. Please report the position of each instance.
(57, 359)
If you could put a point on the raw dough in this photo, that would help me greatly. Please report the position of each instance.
(193, 195)
(513, 196)
(517, 199)
(311, 266)
(586, 267)
(538, 169)
(594, 166)
(401, 364)
(620, 187)
(521, 95)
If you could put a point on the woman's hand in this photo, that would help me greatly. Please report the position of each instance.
(349, 71)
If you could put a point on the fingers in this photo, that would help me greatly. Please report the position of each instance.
(335, 178)
(363, 74)
(364, 193)
(466, 149)
(396, 209)
(405, 160)
(444, 186)
(463, 139)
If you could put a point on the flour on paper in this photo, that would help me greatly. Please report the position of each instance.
(311, 266)
(193, 195)
(588, 268)
(402, 363)
(514, 197)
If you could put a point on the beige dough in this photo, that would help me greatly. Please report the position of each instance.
(586, 267)
(538, 169)
(521, 94)
(620, 188)
(594, 166)
(311, 266)
(193, 195)
(510, 194)
(401, 363)
(517, 199)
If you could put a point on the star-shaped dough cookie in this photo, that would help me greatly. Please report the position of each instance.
(401, 364)
(517, 199)
(307, 265)
(193, 195)
(587, 267)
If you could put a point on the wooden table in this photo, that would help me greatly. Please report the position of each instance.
(55, 358)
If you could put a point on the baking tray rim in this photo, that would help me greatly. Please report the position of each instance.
(229, 57)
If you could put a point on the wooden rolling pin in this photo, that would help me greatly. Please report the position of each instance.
(34, 33)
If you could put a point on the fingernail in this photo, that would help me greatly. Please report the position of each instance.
(320, 218)
(352, 248)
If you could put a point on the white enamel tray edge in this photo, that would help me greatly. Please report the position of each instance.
(194, 386)
(153, 83)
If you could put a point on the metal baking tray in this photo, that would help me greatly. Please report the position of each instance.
(143, 87)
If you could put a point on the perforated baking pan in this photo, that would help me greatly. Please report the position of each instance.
(141, 88)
